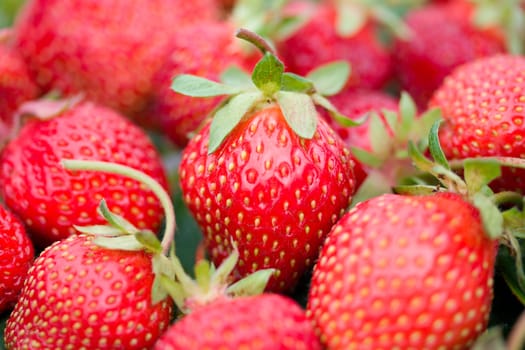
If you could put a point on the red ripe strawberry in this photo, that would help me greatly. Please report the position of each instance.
(201, 49)
(80, 295)
(49, 199)
(273, 192)
(108, 50)
(318, 42)
(483, 103)
(443, 37)
(16, 86)
(266, 321)
(16, 256)
(402, 272)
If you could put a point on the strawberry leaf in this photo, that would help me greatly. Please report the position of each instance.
(479, 173)
(491, 217)
(380, 139)
(234, 76)
(115, 220)
(296, 83)
(99, 230)
(351, 18)
(414, 190)
(407, 110)
(299, 111)
(435, 147)
(253, 284)
(149, 241)
(334, 113)
(366, 157)
(126, 242)
(330, 78)
(161, 266)
(228, 116)
(510, 263)
(492, 339)
(191, 85)
(267, 74)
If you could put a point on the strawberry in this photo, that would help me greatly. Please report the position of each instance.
(404, 272)
(108, 50)
(101, 288)
(80, 295)
(266, 321)
(49, 199)
(16, 256)
(443, 37)
(482, 105)
(267, 172)
(16, 85)
(320, 41)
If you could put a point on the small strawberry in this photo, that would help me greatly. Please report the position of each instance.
(49, 199)
(16, 256)
(483, 103)
(443, 37)
(254, 320)
(16, 85)
(263, 322)
(108, 50)
(267, 171)
(99, 289)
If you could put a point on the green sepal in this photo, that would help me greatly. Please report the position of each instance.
(434, 146)
(479, 173)
(414, 190)
(125, 242)
(514, 220)
(366, 157)
(424, 124)
(223, 271)
(235, 76)
(510, 264)
(380, 139)
(374, 185)
(419, 160)
(149, 241)
(115, 220)
(299, 111)
(334, 113)
(99, 230)
(492, 339)
(203, 274)
(296, 83)
(391, 20)
(351, 18)
(174, 290)
(195, 86)
(229, 115)
(267, 74)
(161, 266)
(408, 113)
(253, 284)
(330, 78)
(491, 216)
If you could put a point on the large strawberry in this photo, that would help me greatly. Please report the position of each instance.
(49, 199)
(483, 109)
(321, 40)
(267, 172)
(404, 272)
(443, 37)
(108, 50)
(16, 85)
(16, 256)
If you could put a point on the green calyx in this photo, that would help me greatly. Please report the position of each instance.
(120, 234)
(388, 161)
(269, 84)
(211, 283)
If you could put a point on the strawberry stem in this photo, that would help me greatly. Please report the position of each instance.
(152, 184)
(256, 40)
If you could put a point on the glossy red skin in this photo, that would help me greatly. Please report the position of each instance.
(317, 42)
(205, 50)
(262, 322)
(443, 38)
(276, 195)
(16, 85)
(400, 272)
(50, 200)
(483, 110)
(79, 295)
(107, 50)
(16, 257)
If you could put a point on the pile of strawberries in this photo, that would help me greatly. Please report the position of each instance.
(355, 169)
